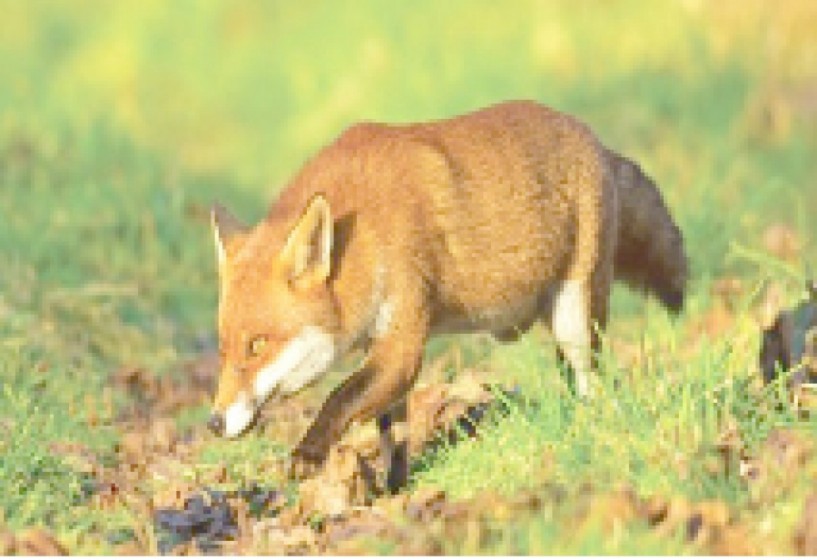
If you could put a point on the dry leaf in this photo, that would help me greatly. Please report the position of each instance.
(7, 542)
(345, 481)
(805, 540)
(39, 542)
(782, 241)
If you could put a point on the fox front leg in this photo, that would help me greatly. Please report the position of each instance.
(332, 420)
(389, 372)
(394, 452)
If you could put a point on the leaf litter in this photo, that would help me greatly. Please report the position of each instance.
(347, 509)
(191, 512)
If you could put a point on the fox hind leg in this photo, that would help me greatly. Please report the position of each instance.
(580, 306)
(578, 316)
(570, 323)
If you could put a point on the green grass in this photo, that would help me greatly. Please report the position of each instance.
(634, 434)
(119, 124)
(550, 533)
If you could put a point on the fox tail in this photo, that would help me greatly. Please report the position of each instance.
(650, 252)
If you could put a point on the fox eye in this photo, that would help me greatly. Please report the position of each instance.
(256, 346)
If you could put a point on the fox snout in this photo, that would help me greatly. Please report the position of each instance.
(216, 423)
(236, 419)
(302, 360)
(234, 422)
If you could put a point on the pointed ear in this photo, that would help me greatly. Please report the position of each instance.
(307, 253)
(227, 231)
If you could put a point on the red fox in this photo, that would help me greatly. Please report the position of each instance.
(393, 233)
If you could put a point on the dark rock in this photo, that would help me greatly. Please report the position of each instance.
(790, 344)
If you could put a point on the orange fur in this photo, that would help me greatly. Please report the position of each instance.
(490, 221)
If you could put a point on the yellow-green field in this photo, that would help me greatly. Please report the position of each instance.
(120, 123)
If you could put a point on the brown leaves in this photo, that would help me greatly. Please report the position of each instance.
(352, 476)
(776, 467)
(163, 435)
(7, 542)
(353, 534)
(805, 539)
(345, 481)
(346, 509)
(173, 496)
(31, 542)
(710, 526)
(343, 508)
(782, 241)
(154, 395)
(270, 537)
(78, 456)
(443, 407)
(353, 472)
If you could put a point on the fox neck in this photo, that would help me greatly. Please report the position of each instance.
(361, 295)
(358, 283)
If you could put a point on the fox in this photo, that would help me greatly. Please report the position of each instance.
(393, 233)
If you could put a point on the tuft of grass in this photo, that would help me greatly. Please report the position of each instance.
(36, 485)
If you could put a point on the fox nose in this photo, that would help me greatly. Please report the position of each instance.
(216, 423)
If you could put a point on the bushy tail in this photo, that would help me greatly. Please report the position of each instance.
(650, 253)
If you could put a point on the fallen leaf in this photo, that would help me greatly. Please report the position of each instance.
(426, 504)
(735, 541)
(728, 289)
(777, 464)
(805, 539)
(163, 435)
(39, 542)
(614, 509)
(706, 521)
(345, 481)
(782, 241)
(358, 523)
(173, 496)
(133, 444)
(128, 549)
(78, 456)
(7, 542)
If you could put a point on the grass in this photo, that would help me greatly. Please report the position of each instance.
(119, 124)
(636, 436)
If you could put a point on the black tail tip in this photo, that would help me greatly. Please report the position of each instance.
(673, 300)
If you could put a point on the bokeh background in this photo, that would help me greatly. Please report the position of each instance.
(120, 122)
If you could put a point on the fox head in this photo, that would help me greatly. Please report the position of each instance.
(278, 323)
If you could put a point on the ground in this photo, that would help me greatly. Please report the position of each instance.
(120, 124)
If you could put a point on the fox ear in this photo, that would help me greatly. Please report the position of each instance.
(227, 231)
(307, 254)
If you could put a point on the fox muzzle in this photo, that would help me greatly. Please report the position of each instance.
(216, 424)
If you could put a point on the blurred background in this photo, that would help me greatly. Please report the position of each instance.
(251, 88)
(121, 122)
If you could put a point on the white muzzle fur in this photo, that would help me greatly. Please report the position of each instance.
(303, 359)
